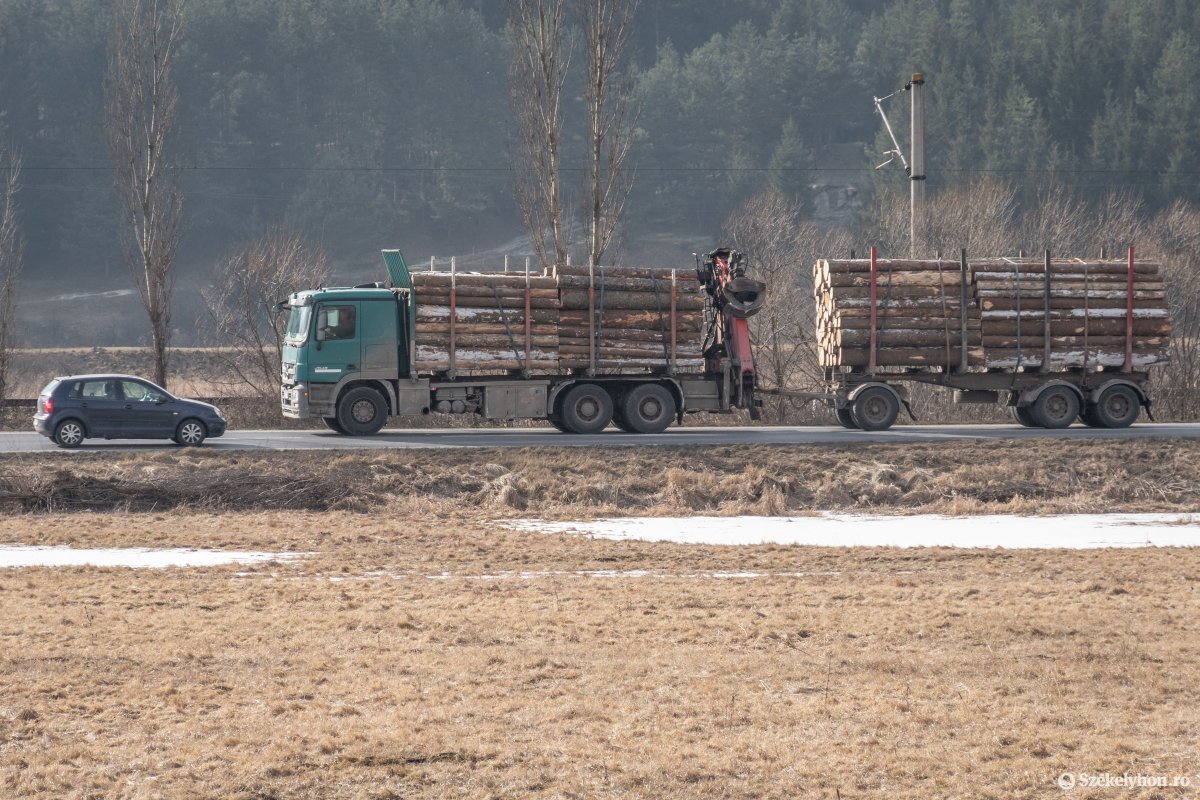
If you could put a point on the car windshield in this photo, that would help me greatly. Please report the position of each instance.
(297, 330)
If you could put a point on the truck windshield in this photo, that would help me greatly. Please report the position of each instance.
(297, 330)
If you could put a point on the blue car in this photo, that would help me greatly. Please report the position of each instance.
(80, 407)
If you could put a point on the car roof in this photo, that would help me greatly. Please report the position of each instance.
(103, 376)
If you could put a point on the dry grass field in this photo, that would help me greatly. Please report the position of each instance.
(423, 651)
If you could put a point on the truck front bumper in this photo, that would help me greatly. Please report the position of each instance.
(293, 401)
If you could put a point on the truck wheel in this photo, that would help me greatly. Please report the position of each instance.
(1022, 415)
(875, 409)
(69, 433)
(333, 424)
(648, 408)
(620, 422)
(557, 423)
(361, 411)
(1088, 416)
(1056, 407)
(845, 418)
(586, 408)
(1117, 407)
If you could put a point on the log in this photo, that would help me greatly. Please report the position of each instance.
(889, 339)
(896, 322)
(1108, 326)
(930, 278)
(493, 365)
(1075, 294)
(622, 334)
(541, 303)
(1073, 303)
(1071, 312)
(484, 316)
(1008, 359)
(427, 280)
(433, 293)
(904, 357)
(689, 285)
(651, 364)
(625, 272)
(610, 351)
(884, 292)
(474, 341)
(495, 328)
(832, 266)
(630, 301)
(1068, 342)
(625, 318)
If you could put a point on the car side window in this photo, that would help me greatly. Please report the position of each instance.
(99, 390)
(139, 392)
(339, 322)
(75, 391)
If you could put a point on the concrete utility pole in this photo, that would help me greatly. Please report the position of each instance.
(917, 173)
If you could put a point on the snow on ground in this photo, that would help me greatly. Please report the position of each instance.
(1073, 531)
(134, 557)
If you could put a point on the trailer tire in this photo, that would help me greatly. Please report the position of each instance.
(845, 419)
(875, 409)
(1055, 407)
(1088, 416)
(1117, 407)
(1022, 416)
(586, 408)
(361, 411)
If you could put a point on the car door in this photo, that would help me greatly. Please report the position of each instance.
(148, 413)
(101, 407)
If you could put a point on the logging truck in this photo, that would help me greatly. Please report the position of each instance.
(1055, 339)
(579, 347)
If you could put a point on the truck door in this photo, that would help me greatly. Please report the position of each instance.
(338, 347)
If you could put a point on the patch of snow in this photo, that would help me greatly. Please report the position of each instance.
(1071, 531)
(131, 557)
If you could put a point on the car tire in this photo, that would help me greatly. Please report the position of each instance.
(69, 433)
(361, 411)
(190, 433)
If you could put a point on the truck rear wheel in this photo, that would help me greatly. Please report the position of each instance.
(648, 408)
(1055, 407)
(333, 424)
(874, 409)
(586, 408)
(1117, 407)
(361, 411)
(845, 418)
(1023, 416)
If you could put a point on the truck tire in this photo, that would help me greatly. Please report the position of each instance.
(361, 411)
(648, 408)
(1022, 415)
(1117, 407)
(557, 423)
(619, 420)
(333, 424)
(874, 409)
(1055, 407)
(845, 418)
(586, 408)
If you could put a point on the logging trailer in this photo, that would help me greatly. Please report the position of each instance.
(633, 347)
(1091, 329)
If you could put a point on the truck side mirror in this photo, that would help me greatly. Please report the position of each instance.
(322, 325)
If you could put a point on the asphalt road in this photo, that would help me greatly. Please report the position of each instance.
(535, 437)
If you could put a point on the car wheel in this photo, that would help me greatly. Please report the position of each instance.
(333, 424)
(361, 411)
(586, 408)
(69, 433)
(190, 433)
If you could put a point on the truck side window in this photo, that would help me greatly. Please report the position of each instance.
(340, 322)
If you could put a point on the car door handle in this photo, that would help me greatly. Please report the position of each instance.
(129, 406)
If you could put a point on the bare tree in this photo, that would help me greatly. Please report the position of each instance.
(542, 47)
(611, 116)
(12, 251)
(139, 117)
(243, 319)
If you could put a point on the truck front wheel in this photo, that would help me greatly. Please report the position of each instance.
(361, 411)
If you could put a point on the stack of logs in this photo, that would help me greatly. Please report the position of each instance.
(484, 327)
(631, 319)
(1076, 319)
(1014, 317)
(918, 313)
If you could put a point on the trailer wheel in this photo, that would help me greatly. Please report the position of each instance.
(1022, 415)
(1088, 416)
(647, 408)
(361, 411)
(845, 418)
(1117, 407)
(586, 408)
(1055, 407)
(874, 409)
